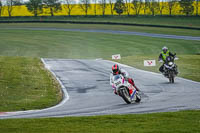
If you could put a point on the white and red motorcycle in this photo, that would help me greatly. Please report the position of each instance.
(125, 89)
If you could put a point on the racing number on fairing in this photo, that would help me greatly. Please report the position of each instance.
(119, 82)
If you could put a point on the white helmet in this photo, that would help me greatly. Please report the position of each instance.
(165, 49)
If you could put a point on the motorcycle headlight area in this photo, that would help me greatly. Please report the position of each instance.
(171, 63)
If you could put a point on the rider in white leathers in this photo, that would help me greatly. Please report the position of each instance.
(116, 70)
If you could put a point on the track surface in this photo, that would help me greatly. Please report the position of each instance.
(89, 93)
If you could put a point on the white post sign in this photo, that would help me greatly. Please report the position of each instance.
(116, 57)
(149, 62)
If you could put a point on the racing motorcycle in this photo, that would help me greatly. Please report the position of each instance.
(125, 89)
(170, 68)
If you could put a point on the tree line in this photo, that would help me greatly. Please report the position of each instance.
(36, 7)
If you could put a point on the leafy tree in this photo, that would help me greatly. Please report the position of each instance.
(1, 7)
(146, 5)
(69, 5)
(95, 7)
(111, 6)
(34, 6)
(161, 6)
(137, 5)
(153, 6)
(119, 6)
(128, 6)
(187, 6)
(85, 5)
(103, 5)
(197, 7)
(53, 5)
(171, 6)
(10, 4)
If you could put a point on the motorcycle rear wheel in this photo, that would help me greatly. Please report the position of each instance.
(138, 98)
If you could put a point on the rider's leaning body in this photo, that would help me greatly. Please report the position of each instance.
(116, 70)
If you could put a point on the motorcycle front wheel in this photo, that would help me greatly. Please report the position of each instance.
(124, 93)
(171, 78)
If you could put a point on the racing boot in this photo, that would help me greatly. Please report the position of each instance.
(137, 89)
(130, 80)
(115, 91)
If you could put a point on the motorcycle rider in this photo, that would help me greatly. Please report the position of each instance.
(162, 57)
(116, 70)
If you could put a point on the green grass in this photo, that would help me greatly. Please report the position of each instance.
(26, 85)
(176, 122)
(61, 44)
(170, 31)
(152, 20)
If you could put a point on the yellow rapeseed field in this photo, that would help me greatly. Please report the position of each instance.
(22, 11)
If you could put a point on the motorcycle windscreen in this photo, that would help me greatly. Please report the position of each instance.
(116, 77)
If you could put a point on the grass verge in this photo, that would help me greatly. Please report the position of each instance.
(158, 30)
(63, 44)
(192, 21)
(26, 85)
(176, 122)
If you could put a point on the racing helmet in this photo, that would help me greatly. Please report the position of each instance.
(165, 49)
(115, 69)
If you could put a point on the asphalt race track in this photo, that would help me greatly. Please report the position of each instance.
(87, 91)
